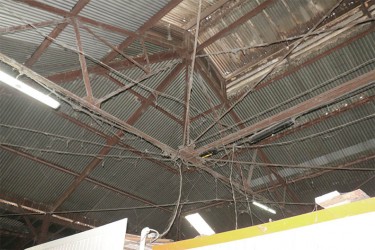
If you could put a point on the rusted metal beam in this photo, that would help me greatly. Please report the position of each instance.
(186, 155)
(28, 222)
(317, 173)
(207, 12)
(82, 61)
(45, 44)
(348, 107)
(76, 174)
(87, 171)
(18, 28)
(213, 79)
(113, 141)
(231, 27)
(56, 234)
(55, 33)
(85, 104)
(43, 235)
(152, 97)
(15, 234)
(9, 203)
(315, 102)
(145, 99)
(294, 180)
(207, 112)
(104, 41)
(60, 12)
(316, 58)
(117, 65)
(280, 180)
(220, 94)
(122, 144)
(313, 122)
(146, 26)
(145, 53)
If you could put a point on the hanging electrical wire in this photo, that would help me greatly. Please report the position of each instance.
(104, 210)
(312, 136)
(81, 154)
(112, 70)
(69, 140)
(177, 205)
(294, 98)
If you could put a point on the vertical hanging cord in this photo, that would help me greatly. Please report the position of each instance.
(191, 77)
(233, 194)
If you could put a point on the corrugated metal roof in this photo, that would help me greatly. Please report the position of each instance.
(138, 177)
(186, 11)
(66, 5)
(136, 49)
(171, 134)
(19, 53)
(121, 14)
(145, 178)
(17, 171)
(14, 13)
(319, 77)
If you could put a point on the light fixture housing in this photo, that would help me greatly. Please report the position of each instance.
(264, 207)
(267, 132)
(199, 224)
(335, 198)
(208, 154)
(26, 89)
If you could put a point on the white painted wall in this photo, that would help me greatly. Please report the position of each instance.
(110, 236)
(350, 233)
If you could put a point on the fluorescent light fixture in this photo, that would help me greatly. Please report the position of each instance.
(264, 207)
(267, 132)
(13, 82)
(199, 224)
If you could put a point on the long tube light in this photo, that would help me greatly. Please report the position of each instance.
(264, 207)
(13, 82)
(267, 132)
(199, 224)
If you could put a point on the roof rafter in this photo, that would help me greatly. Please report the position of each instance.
(55, 33)
(294, 180)
(117, 65)
(76, 174)
(78, 223)
(113, 141)
(315, 102)
(205, 13)
(146, 26)
(85, 104)
(60, 12)
(25, 27)
(231, 27)
(145, 99)
(120, 143)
